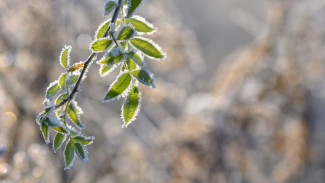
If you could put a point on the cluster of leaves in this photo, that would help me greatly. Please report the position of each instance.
(121, 42)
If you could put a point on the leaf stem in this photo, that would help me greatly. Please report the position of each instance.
(90, 59)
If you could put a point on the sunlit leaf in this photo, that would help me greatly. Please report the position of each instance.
(62, 80)
(52, 90)
(141, 25)
(130, 64)
(148, 47)
(65, 56)
(58, 141)
(81, 151)
(126, 33)
(100, 45)
(102, 29)
(69, 154)
(117, 88)
(133, 5)
(131, 107)
(144, 77)
(72, 79)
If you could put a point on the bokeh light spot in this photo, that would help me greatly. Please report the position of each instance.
(8, 118)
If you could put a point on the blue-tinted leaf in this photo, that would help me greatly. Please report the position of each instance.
(109, 6)
(52, 121)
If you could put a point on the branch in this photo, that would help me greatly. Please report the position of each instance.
(90, 58)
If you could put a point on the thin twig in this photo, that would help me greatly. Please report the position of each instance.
(90, 59)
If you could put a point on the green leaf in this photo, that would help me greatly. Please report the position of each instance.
(73, 115)
(118, 87)
(52, 90)
(105, 70)
(60, 130)
(84, 140)
(126, 33)
(137, 58)
(131, 107)
(81, 151)
(113, 57)
(65, 56)
(58, 141)
(133, 5)
(102, 29)
(141, 25)
(130, 64)
(62, 80)
(69, 154)
(148, 47)
(109, 6)
(144, 77)
(61, 98)
(72, 79)
(45, 132)
(100, 45)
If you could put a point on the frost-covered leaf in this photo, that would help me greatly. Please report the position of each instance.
(105, 70)
(62, 80)
(60, 98)
(148, 47)
(110, 6)
(81, 151)
(52, 90)
(65, 56)
(124, 44)
(58, 141)
(76, 66)
(126, 33)
(130, 64)
(73, 115)
(102, 29)
(133, 5)
(72, 79)
(100, 45)
(60, 130)
(141, 25)
(69, 154)
(52, 121)
(117, 88)
(131, 107)
(144, 77)
(111, 58)
(45, 132)
(137, 58)
(84, 140)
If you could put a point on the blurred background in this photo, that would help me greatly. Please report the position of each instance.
(240, 98)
